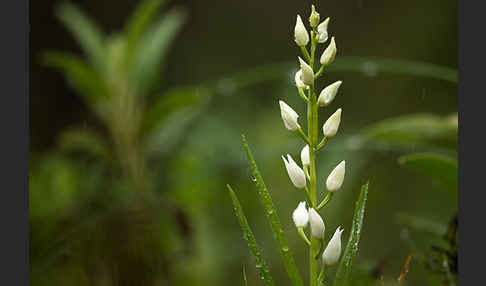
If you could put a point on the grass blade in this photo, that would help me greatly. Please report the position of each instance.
(250, 238)
(344, 270)
(245, 282)
(272, 217)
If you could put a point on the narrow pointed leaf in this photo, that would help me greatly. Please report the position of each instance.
(78, 74)
(274, 220)
(153, 48)
(343, 272)
(139, 22)
(245, 282)
(250, 238)
(86, 33)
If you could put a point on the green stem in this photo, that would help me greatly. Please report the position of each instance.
(319, 72)
(305, 53)
(312, 131)
(326, 199)
(322, 274)
(302, 234)
(302, 134)
(321, 144)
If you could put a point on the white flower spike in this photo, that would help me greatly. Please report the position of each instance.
(335, 179)
(322, 31)
(304, 156)
(298, 80)
(289, 116)
(329, 53)
(307, 72)
(317, 224)
(300, 33)
(296, 174)
(333, 250)
(329, 93)
(331, 125)
(300, 216)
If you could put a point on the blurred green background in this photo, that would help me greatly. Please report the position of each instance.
(130, 155)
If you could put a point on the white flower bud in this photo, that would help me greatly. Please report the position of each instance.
(335, 179)
(314, 17)
(300, 33)
(298, 80)
(329, 53)
(289, 116)
(317, 224)
(304, 155)
(322, 31)
(331, 125)
(296, 174)
(333, 250)
(307, 72)
(327, 94)
(300, 215)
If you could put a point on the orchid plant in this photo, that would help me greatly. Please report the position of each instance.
(321, 252)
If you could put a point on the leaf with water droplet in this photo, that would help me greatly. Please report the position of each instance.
(344, 269)
(250, 238)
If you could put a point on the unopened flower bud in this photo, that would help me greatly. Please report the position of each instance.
(327, 94)
(289, 116)
(317, 224)
(298, 80)
(331, 125)
(307, 72)
(296, 174)
(333, 250)
(329, 53)
(300, 33)
(335, 179)
(300, 215)
(322, 31)
(314, 17)
(304, 156)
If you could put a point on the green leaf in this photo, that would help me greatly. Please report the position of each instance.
(78, 74)
(439, 168)
(86, 33)
(138, 24)
(272, 217)
(410, 131)
(171, 102)
(343, 272)
(84, 140)
(169, 117)
(261, 266)
(150, 54)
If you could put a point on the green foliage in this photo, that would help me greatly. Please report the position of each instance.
(343, 272)
(414, 130)
(273, 218)
(79, 74)
(88, 35)
(153, 48)
(261, 266)
(436, 167)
